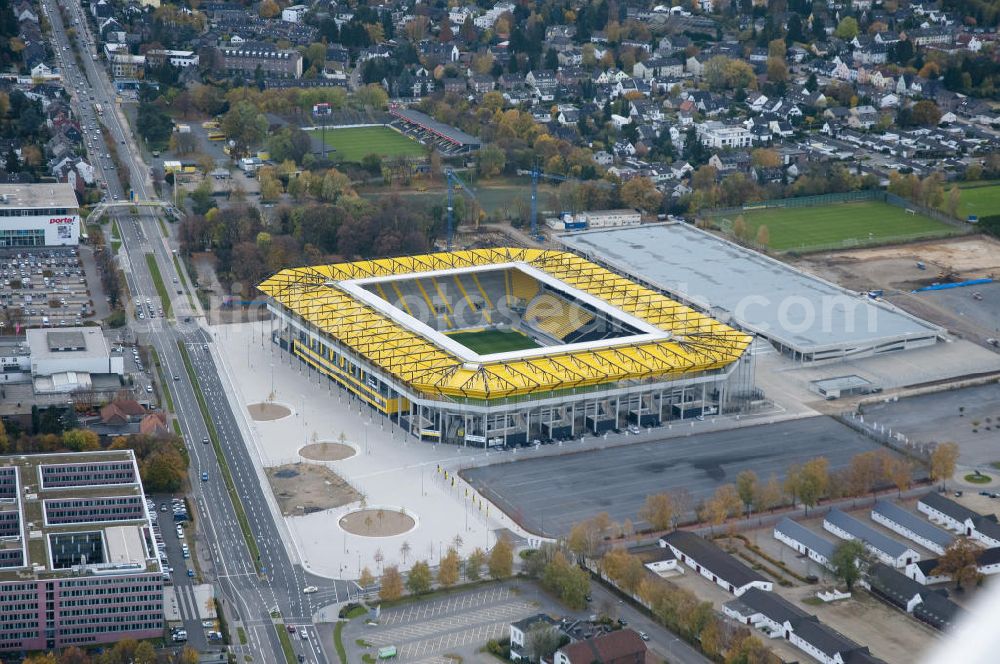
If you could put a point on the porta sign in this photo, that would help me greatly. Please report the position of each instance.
(61, 220)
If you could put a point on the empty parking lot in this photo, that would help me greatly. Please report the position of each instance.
(549, 495)
(961, 416)
(462, 623)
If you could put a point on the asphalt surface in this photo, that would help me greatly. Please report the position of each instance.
(549, 495)
(936, 418)
(249, 590)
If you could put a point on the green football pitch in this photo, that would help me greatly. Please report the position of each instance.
(980, 199)
(354, 143)
(487, 342)
(838, 226)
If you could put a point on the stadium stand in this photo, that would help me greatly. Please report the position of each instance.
(449, 140)
(555, 316)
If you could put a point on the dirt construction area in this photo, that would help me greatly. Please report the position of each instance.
(895, 267)
(303, 488)
(267, 412)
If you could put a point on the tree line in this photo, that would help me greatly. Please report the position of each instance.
(805, 484)
(420, 578)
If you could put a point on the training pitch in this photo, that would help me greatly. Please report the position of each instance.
(980, 199)
(839, 226)
(487, 342)
(354, 143)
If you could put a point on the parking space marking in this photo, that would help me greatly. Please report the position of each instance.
(449, 605)
(424, 651)
(450, 623)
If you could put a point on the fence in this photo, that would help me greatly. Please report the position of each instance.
(800, 201)
(886, 436)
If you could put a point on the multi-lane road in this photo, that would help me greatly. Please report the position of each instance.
(251, 591)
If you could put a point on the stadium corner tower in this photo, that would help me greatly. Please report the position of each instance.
(503, 347)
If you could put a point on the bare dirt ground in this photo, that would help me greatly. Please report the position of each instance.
(266, 412)
(377, 522)
(895, 267)
(302, 488)
(327, 451)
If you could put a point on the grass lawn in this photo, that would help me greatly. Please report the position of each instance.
(840, 225)
(354, 143)
(979, 198)
(488, 342)
(161, 288)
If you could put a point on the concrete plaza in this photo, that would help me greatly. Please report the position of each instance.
(389, 469)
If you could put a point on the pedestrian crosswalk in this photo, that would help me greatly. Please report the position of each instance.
(185, 602)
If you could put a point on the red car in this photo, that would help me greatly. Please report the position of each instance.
(291, 629)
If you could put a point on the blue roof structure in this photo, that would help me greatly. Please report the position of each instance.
(811, 540)
(866, 534)
(914, 523)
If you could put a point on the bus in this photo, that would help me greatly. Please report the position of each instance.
(216, 135)
(98, 109)
(210, 124)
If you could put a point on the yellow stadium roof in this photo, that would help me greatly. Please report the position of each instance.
(696, 342)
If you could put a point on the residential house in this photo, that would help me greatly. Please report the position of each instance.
(248, 58)
(713, 563)
(716, 134)
(520, 629)
(910, 526)
(621, 646)
(884, 548)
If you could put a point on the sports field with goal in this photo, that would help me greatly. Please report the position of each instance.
(979, 198)
(487, 342)
(839, 225)
(352, 144)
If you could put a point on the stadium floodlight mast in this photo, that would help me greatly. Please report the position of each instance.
(453, 179)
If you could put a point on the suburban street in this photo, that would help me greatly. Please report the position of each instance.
(250, 591)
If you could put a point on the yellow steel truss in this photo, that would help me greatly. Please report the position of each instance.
(697, 343)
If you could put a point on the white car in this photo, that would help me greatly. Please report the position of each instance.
(310, 589)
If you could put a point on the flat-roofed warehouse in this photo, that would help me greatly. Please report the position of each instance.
(802, 315)
(38, 215)
(457, 140)
(494, 347)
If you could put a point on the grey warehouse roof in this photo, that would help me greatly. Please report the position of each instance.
(807, 537)
(914, 523)
(763, 295)
(712, 558)
(947, 506)
(866, 533)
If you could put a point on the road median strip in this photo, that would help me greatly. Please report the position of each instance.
(286, 643)
(227, 476)
(161, 288)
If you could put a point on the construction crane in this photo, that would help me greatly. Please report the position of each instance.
(453, 179)
(535, 174)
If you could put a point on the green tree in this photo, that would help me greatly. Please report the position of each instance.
(474, 564)
(566, 580)
(419, 579)
(153, 124)
(501, 560)
(849, 561)
(245, 126)
(541, 641)
(80, 440)
(492, 160)
(847, 29)
(926, 113)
